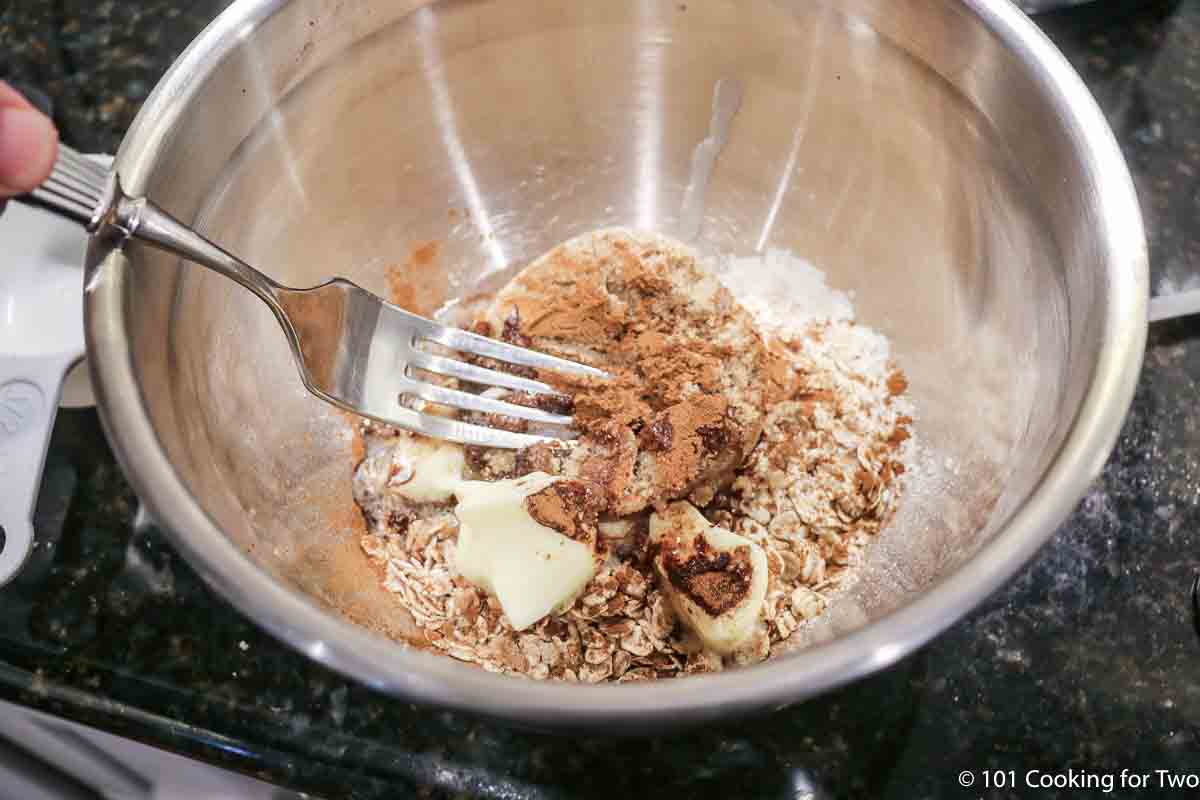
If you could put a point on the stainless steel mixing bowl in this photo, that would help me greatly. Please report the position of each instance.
(937, 157)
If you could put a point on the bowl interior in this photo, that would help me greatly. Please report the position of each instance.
(898, 147)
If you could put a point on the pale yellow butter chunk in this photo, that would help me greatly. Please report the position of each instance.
(715, 579)
(425, 470)
(531, 569)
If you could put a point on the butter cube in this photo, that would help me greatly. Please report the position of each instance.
(425, 470)
(531, 568)
(715, 579)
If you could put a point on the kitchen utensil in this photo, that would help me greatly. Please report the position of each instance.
(1174, 304)
(353, 349)
(41, 337)
(937, 158)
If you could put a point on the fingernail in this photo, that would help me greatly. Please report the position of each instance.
(28, 142)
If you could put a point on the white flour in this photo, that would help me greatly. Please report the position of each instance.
(783, 291)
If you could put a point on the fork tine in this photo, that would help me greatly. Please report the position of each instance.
(451, 430)
(501, 351)
(474, 402)
(467, 433)
(482, 375)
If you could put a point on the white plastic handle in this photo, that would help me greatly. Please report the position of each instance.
(1174, 304)
(29, 390)
(41, 337)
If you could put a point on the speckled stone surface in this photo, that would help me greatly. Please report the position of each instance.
(1087, 661)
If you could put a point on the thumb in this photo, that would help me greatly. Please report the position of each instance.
(28, 146)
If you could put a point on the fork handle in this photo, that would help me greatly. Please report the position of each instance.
(83, 191)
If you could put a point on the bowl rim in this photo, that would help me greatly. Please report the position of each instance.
(414, 674)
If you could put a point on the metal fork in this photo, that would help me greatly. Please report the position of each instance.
(353, 349)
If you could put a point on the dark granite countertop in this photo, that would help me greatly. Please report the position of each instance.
(1086, 661)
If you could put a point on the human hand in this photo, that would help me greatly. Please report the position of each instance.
(28, 144)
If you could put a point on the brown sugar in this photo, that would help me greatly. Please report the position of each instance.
(684, 403)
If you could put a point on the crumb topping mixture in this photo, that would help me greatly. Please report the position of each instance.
(726, 482)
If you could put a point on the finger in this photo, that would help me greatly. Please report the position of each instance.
(28, 146)
(11, 98)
